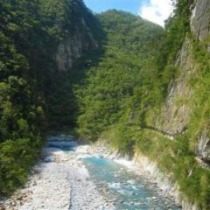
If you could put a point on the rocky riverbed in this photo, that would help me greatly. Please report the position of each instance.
(59, 181)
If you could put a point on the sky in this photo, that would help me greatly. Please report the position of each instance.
(156, 11)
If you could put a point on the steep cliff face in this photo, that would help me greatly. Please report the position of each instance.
(200, 19)
(185, 113)
(177, 113)
(200, 27)
(79, 40)
(73, 47)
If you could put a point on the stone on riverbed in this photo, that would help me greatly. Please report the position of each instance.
(60, 181)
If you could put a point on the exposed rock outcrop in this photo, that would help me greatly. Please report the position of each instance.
(81, 36)
(203, 147)
(74, 47)
(200, 20)
(175, 114)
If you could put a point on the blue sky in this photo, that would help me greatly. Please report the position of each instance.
(103, 5)
(154, 10)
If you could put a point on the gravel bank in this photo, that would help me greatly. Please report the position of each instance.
(60, 181)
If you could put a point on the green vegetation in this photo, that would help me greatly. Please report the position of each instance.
(20, 105)
(120, 96)
(200, 83)
(173, 158)
(30, 83)
(114, 90)
(122, 86)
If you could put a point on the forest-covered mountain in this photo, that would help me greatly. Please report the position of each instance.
(114, 76)
(148, 95)
(39, 42)
(121, 85)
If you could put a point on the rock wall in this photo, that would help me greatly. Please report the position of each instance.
(74, 46)
(200, 27)
(200, 20)
(175, 114)
(203, 147)
(81, 39)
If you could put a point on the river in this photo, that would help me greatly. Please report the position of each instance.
(121, 185)
(128, 190)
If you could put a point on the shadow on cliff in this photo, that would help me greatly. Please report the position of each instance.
(62, 103)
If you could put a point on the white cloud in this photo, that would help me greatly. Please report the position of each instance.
(156, 11)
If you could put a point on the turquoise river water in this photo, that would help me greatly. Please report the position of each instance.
(120, 184)
(128, 190)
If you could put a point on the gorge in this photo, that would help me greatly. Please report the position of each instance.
(114, 77)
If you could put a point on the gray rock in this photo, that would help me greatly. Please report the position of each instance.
(200, 19)
(72, 48)
(49, 159)
(203, 147)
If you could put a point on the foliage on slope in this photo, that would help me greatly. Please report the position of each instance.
(86, 32)
(30, 32)
(192, 178)
(130, 78)
(122, 86)
(128, 82)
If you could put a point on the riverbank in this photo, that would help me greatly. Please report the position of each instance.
(59, 181)
(143, 166)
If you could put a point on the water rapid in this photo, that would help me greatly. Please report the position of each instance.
(118, 183)
(126, 189)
